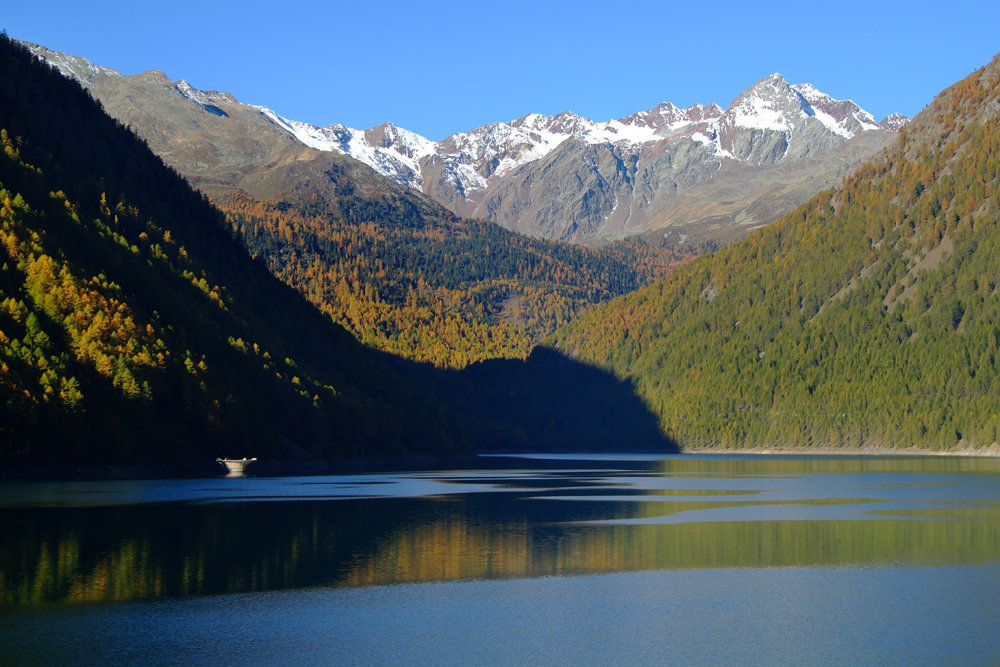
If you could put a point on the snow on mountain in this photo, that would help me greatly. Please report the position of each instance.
(846, 116)
(894, 122)
(766, 123)
(498, 148)
(396, 154)
(202, 96)
(473, 160)
(771, 118)
(766, 106)
(774, 104)
(208, 99)
(668, 115)
(470, 158)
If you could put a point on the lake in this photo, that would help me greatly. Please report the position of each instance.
(534, 560)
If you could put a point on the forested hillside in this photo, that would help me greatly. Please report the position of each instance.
(430, 287)
(388, 262)
(869, 316)
(134, 326)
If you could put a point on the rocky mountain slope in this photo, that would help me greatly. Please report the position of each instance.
(672, 174)
(700, 172)
(866, 317)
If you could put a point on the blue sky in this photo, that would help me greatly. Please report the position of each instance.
(441, 67)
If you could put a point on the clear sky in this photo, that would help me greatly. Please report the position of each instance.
(442, 67)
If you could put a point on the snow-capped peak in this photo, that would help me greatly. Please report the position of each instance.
(843, 114)
(765, 122)
(813, 96)
(773, 104)
(894, 122)
(472, 159)
(770, 104)
(760, 125)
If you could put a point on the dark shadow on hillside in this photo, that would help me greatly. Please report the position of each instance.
(548, 403)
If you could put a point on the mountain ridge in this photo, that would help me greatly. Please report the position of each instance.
(135, 328)
(563, 177)
(866, 317)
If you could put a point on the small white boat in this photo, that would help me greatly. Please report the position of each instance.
(235, 465)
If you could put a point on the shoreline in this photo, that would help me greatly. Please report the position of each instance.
(210, 469)
(206, 469)
(991, 451)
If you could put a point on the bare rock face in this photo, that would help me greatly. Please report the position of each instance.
(670, 174)
(702, 174)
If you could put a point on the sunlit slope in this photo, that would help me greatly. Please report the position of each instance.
(134, 327)
(415, 281)
(398, 269)
(868, 316)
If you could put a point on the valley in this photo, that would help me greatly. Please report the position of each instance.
(823, 329)
(499, 334)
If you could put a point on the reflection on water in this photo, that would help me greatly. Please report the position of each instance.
(754, 464)
(514, 518)
(821, 465)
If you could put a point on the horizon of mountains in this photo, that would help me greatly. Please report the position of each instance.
(389, 263)
(136, 328)
(864, 317)
(672, 175)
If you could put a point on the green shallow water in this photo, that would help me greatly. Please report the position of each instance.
(686, 542)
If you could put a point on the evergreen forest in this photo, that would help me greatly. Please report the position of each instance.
(867, 317)
(429, 287)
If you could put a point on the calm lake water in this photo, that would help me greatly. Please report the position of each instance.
(560, 560)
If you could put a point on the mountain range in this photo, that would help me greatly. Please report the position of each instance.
(864, 316)
(868, 316)
(673, 175)
(137, 329)
(398, 269)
